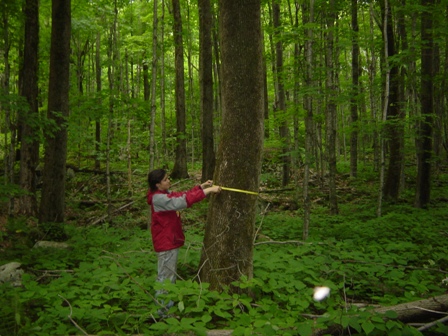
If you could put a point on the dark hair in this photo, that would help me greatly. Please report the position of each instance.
(154, 177)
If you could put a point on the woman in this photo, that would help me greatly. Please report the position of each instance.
(166, 225)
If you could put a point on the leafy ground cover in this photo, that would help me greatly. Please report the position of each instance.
(104, 284)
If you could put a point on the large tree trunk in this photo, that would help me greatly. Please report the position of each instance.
(180, 165)
(29, 153)
(228, 243)
(206, 84)
(424, 148)
(52, 203)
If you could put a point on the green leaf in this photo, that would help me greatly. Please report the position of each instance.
(259, 323)
(206, 318)
(222, 314)
(181, 306)
(345, 321)
(355, 324)
(172, 321)
(304, 329)
(368, 327)
(390, 314)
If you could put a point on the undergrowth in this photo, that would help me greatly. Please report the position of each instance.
(105, 282)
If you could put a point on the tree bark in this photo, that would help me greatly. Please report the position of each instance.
(394, 126)
(153, 89)
(52, 203)
(412, 310)
(308, 17)
(206, 87)
(354, 100)
(331, 107)
(180, 165)
(98, 90)
(29, 152)
(424, 147)
(281, 95)
(227, 253)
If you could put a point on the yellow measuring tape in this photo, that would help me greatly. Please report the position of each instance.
(239, 190)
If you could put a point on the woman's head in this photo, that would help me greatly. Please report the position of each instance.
(155, 177)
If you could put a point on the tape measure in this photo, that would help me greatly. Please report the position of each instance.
(240, 190)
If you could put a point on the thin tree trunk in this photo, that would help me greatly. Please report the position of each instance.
(206, 87)
(98, 90)
(281, 95)
(193, 107)
(296, 158)
(331, 107)
(127, 93)
(308, 18)
(354, 100)
(372, 98)
(113, 91)
(385, 107)
(394, 125)
(9, 143)
(153, 88)
(180, 165)
(52, 203)
(162, 81)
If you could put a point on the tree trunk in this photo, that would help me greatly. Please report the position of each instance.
(206, 86)
(281, 95)
(424, 148)
(153, 89)
(372, 97)
(228, 243)
(354, 100)
(29, 153)
(385, 105)
(394, 125)
(162, 81)
(98, 90)
(308, 17)
(146, 88)
(331, 107)
(9, 147)
(52, 203)
(180, 165)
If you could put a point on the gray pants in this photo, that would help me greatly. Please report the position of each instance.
(167, 269)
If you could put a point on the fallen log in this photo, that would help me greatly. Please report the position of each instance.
(425, 311)
(412, 311)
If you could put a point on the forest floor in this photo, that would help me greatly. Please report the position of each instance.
(96, 286)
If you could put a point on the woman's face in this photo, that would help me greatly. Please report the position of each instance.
(165, 184)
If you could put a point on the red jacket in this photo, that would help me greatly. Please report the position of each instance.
(166, 226)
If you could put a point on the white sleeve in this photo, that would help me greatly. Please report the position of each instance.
(163, 202)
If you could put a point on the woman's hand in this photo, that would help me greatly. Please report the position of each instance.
(207, 184)
(213, 189)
